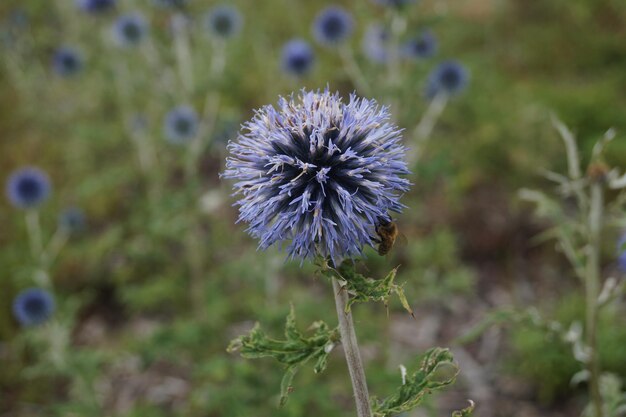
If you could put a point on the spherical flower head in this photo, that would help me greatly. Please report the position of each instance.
(396, 4)
(421, 47)
(224, 21)
(333, 25)
(72, 220)
(181, 124)
(297, 57)
(376, 43)
(33, 306)
(169, 4)
(28, 187)
(66, 61)
(130, 29)
(95, 6)
(318, 173)
(621, 253)
(449, 77)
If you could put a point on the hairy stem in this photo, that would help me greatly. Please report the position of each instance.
(351, 349)
(592, 290)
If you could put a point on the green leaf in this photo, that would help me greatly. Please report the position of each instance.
(437, 371)
(363, 289)
(528, 318)
(294, 351)
(466, 412)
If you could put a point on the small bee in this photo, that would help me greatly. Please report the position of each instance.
(387, 232)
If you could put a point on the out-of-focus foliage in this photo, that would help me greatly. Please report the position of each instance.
(123, 286)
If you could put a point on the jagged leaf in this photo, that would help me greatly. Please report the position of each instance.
(294, 351)
(437, 371)
(363, 289)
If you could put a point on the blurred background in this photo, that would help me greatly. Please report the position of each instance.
(128, 108)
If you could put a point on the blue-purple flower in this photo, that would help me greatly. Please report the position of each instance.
(170, 4)
(28, 187)
(376, 43)
(95, 6)
(72, 220)
(397, 4)
(181, 124)
(66, 61)
(422, 46)
(224, 21)
(130, 29)
(621, 253)
(33, 306)
(318, 173)
(297, 57)
(449, 77)
(333, 25)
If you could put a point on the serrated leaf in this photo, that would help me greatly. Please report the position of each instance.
(294, 351)
(363, 289)
(430, 377)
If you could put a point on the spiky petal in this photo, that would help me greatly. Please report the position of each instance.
(318, 173)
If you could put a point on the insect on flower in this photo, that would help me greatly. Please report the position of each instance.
(318, 173)
(387, 231)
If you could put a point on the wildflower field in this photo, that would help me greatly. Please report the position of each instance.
(336, 208)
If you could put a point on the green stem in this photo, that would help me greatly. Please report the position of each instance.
(353, 70)
(592, 292)
(193, 247)
(183, 54)
(351, 349)
(33, 227)
(427, 123)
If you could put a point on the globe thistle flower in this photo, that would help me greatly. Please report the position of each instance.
(332, 26)
(297, 57)
(224, 21)
(170, 4)
(130, 29)
(66, 61)
(181, 124)
(72, 220)
(621, 251)
(28, 187)
(396, 4)
(376, 43)
(420, 47)
(318, 173)
(95, 6)
(449, 77)
(33, 306)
